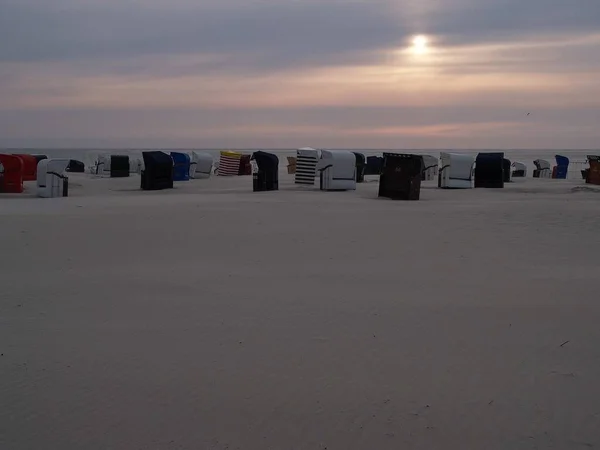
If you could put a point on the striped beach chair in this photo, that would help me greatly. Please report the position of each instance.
(229, 164)
(306, 166)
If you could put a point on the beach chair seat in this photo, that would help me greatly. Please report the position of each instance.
(401, 176)
(265, 176)
(456, 171)
(51, 178)
(337, 170)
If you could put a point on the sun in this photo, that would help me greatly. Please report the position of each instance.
(419, 44)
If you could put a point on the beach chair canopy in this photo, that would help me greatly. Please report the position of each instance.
(180, 158)
(542, 164)
(489, 170)
(429, 162)
(460, 166)
(361, 159)
(341, 162)
(158, 161)
(561, 160)
(76, 166)
(38, 158)
(266, 161)
(519, 166)
(307, 152)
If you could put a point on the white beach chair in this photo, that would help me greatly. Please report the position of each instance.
(201, 165)
(519, 170)
(337, 170)
(456, 171)
(136, 164)
(430, 170)
(103, 166)
(543, 169)
(51, 178)
(306, 165)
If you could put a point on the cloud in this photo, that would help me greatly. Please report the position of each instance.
(290, 71)
(273, 34)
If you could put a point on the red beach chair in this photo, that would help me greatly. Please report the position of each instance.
(29, 167)
(13, 174)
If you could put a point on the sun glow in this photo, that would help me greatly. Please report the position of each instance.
(420, 44)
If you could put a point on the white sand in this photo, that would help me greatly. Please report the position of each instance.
(212, 317)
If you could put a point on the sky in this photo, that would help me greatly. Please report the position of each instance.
(295, 73)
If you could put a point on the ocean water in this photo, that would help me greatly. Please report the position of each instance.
(578, 160)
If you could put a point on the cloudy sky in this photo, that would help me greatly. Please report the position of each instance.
(289, 73)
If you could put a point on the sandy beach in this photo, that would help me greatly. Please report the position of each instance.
(212, 317)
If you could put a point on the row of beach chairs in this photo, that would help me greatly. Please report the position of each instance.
(336, 170)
